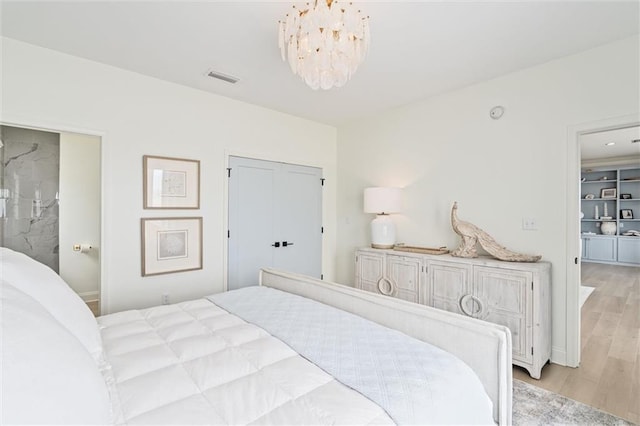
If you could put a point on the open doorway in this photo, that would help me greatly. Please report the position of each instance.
(603, 342)
(609, 268)
(571, 355)
(50, 203)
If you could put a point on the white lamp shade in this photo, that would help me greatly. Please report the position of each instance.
(382, 200)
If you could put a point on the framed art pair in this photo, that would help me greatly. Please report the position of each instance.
(171, 244)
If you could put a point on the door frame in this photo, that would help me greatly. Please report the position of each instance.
(572, 236)
(103, 290)
(225, 203)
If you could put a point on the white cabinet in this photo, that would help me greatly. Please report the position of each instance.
(403, 274)
(392, 275)
(369, 273)
(448, 283)
(506, 298)
(516, 295)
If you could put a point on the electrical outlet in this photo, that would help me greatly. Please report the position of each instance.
(529, 224)
(165, 299)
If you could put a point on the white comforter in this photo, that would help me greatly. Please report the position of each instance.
(194, 363)
(415, 382)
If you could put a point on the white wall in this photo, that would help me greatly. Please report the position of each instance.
(140, 115)
(79, 212)
(441, 150)
(447, 149)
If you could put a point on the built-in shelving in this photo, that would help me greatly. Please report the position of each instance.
(600, 244)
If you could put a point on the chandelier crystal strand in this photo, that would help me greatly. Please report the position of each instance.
(324, 44)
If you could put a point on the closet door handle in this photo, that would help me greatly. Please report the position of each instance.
(276, 244)
(285, 244)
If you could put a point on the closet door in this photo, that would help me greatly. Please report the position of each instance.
(275, 219)
(252, 219)
(299, 220)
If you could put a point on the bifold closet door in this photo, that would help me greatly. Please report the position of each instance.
(275, 219)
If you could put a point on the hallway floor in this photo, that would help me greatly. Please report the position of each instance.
(609, 374)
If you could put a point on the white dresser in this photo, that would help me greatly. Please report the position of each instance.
(516, 295)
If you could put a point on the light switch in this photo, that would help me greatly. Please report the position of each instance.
(529, 224)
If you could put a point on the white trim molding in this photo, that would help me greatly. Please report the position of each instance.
(90, 296)
(5, 120)
(558, 356)
(573, 254)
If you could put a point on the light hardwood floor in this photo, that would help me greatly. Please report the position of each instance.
(609, 374)
(94, 306)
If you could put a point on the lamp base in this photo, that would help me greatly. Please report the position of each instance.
(382, 246)
(383, 232)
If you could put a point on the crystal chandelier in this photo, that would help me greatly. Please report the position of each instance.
(324, 44)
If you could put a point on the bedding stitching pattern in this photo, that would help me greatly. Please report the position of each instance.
(177, 356)
(167, 330)
(382, 364)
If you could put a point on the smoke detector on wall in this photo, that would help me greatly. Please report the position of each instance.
(496, 112)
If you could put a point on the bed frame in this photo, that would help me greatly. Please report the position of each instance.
(484, 346)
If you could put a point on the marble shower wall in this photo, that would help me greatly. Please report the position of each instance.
(29, 182)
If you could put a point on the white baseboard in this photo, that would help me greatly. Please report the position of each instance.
(90, 296)
(558, 356)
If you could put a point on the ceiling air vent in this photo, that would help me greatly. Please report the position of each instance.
(223, 77)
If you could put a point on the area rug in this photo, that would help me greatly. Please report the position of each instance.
(585, 292)
(536, 406)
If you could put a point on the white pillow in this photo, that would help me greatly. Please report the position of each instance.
(55, 295)
(48, 377)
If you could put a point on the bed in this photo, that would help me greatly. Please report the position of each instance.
(292, 350)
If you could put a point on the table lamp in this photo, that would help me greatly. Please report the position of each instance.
(382, 202)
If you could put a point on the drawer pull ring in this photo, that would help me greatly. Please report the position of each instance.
(463, 304)
(387, 289)
(481, 314)
(474, 313)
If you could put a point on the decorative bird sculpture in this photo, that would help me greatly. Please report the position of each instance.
(471, 235)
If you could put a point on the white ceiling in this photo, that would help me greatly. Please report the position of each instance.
(594, 145)
(418, 48)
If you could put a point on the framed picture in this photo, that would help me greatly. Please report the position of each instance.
(171, 244)
(171, 183)
(608, 193)
(626, 214)
(625, 196)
